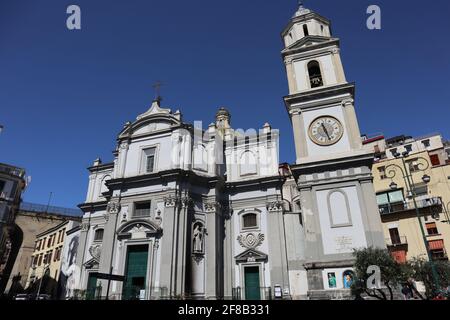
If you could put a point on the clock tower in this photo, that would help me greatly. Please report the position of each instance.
(335, 195)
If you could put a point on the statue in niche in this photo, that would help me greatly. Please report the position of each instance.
(198, 238)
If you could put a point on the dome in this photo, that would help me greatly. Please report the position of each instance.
(301, 11)
(222, 112)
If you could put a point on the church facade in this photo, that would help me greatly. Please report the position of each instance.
(183, 212)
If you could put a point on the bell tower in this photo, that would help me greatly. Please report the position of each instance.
(320, 101)
(333, 175)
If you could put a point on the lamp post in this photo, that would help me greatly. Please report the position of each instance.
(42, 278)
(422, 165)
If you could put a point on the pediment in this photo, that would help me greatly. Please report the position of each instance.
(251, 255)
(154, 109)
(154, 119)
(309, 41)
(91, 264)
(139, 229)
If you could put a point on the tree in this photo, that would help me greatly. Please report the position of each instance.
(422, 272)
(392, 273)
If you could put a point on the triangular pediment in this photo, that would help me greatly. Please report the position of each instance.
(310, 41)
(251, 255)
(91, 264)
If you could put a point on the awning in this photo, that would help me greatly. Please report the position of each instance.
(436, 244)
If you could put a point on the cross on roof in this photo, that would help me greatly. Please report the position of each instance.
(157, 86)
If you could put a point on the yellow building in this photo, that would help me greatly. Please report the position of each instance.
(427, 164)
(44, 272)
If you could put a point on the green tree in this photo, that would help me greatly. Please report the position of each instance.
(392, 274)
(422, 272)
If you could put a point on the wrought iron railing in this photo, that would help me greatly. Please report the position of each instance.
(396, 207)
(402, 240)
(265, 293)
(34, 207)
(13, 171)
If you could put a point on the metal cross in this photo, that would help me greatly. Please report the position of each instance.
(157, 86)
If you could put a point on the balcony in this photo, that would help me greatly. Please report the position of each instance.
(400, 241)
(12, 171)
(398, 207)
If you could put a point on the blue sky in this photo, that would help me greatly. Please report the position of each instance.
(64, 95)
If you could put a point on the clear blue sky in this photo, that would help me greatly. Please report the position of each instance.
(64, 95)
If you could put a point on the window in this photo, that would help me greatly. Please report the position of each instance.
(63, 232)
(426, 143)
(249, 220)
(315, 75)
(149, 160)
(35, 260)
(394, 152)
(2, 185)
(390, 201)
(49, 242)
(421, 191)
(98, 236)
(38, 245)
(435, 161)
(40, 260)
(437, 250)
(413, 164)
(142, 209)
(48, 257)
(382, 172)
(395, 236)
(432, 229)
(305, 30)
(408, 148)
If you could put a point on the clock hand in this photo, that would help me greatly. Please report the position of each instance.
(326, 131)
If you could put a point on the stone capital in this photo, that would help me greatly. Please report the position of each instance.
(275, 206)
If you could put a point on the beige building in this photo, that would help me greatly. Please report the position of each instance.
(12, 183)
(31, 220)
(428, 170)
(45, 267)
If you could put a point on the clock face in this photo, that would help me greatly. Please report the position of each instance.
(326, 130)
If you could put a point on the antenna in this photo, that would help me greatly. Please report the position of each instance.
(48, 203)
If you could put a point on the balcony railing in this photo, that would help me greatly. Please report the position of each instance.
(265, 293)
(397, 207)
(12, 171)
(396, 242)
(34, 207)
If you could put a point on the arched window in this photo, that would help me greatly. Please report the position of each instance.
(247, 163)
(305, 30)
(250, 220)
(315, 76)
(98, 235)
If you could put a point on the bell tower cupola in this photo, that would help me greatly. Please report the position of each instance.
(303, 24)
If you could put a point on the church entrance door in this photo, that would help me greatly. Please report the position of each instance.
(136, 272)
(252, 289)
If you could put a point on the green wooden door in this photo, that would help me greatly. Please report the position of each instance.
(252, 290)
(136, 271)
(91, 287)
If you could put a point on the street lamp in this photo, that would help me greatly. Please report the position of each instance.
(40, 282)
(407, 176)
